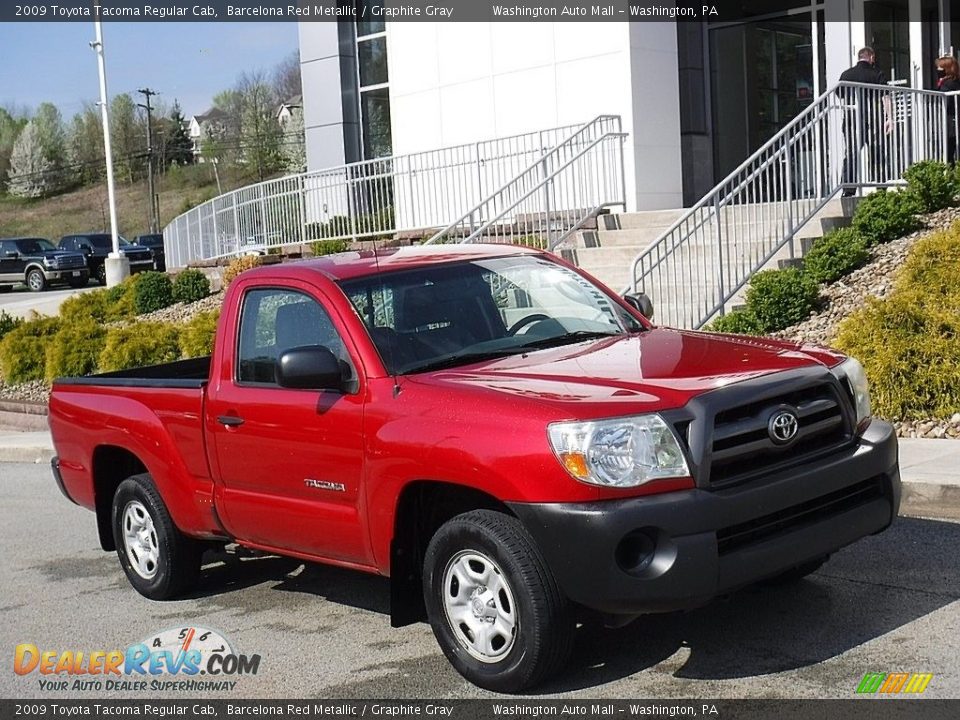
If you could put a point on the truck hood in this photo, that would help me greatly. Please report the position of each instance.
(58, 254)
(661, 368)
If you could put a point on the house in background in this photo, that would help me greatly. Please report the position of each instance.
(289, 109)
(211, 124)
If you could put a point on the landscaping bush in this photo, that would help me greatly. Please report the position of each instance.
(909, 342)
(932, 185)
(8, 322)
(836, 254)
(737, 322)
(781, 298)
(153, 292)
(140, 344)
(85, 306)
(329, 247)
(239, 265)
(196, 339)
(75, 349)
(23, 351)
(190, 285)
(884, 216)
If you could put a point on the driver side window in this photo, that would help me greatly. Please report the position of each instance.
(274, 320)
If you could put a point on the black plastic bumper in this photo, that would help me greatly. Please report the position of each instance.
(58, 478)
(678, 550)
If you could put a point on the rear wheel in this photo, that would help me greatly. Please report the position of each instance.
(158, 560)
(36, 280)
(494, 605)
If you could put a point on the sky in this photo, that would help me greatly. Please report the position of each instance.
(190, 62)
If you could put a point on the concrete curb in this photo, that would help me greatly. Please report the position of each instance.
(21, 415)
(35, 455)
(930, 500)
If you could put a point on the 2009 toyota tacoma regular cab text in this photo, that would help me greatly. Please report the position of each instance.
(510, 442)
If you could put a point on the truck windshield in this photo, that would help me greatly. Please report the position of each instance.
(454, 314)
(105, 241)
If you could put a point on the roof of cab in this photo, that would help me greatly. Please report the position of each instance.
(350, 265)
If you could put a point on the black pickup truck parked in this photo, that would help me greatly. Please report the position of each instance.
(96, 247)
(36, 262)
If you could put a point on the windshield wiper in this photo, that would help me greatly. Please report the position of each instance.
(567, 339)
(462, 359)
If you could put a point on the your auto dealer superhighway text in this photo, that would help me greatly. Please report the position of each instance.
(377, 709)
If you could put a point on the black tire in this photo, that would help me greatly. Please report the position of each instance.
(543, 632)
(798, 573)
(80, 282)
(35, 280)
(177, 565)
(101, 274)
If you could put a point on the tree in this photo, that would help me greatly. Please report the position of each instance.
(260, 132)
(127, 135)
(294, 146)
(32, 175)
(10, 128)
(286, 77)
(85, 146)
(177, 147)
(50, 135)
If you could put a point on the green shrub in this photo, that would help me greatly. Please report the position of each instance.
(781, 298)
(121, 299)
(153, 292)
(8, 322)
(932, 185)
(330, 247)
(196, 339)
(909, 342)
(23, 351)
(140, 344)
(836, 254)
(190, 285)
(737, 322)
(239, 265)
(883, 216)
(75, 349)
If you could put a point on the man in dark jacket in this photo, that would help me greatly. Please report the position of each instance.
(862, 122)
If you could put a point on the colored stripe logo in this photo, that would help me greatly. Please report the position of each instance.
(894, 683)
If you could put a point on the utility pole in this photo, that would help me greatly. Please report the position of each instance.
(117, 266)
(154, 220)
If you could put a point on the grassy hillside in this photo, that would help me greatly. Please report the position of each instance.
(86, 209)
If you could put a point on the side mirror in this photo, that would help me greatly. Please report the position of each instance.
(13, 254)
(312, 367)
(641, 303)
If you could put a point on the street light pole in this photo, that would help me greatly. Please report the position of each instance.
(154, 220)
(117, 266)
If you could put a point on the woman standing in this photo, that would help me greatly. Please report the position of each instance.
(948, 80)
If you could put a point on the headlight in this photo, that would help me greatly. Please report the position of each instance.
(623, 452)
(51, 262)
(851, 373)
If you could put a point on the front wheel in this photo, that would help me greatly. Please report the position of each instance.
(101, 274)
(494, 606)
(158, 560)
(36, 280)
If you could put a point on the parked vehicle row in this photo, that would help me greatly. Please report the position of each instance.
(38, 263)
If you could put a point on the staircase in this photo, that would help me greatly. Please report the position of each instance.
(698, 261)
(608, 251)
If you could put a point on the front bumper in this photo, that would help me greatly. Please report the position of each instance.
(678, 550)
(65, 275)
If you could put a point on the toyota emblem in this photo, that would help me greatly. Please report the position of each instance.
(783, 427)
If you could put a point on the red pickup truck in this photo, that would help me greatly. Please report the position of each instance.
(510, 442)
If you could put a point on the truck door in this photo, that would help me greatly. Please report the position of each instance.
(12, 264)
(290, 460)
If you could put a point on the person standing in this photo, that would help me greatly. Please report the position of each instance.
(863, 131)
(948, 80)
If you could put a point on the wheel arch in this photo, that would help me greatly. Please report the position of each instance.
(421, 508)
(111, 466)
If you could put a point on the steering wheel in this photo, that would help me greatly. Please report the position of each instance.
(523, 322)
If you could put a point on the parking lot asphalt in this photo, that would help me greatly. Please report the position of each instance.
(20, 302)
(890, 603)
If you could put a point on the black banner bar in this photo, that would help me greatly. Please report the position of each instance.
(875, 708)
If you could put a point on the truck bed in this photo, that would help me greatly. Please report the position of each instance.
(192, 373)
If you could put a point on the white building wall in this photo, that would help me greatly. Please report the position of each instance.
(453, 83)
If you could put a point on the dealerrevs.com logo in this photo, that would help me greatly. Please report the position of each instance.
(187, 658)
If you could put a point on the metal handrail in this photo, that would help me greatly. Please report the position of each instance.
(534, 168)
(700, 263)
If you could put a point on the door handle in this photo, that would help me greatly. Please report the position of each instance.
(230, 420)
